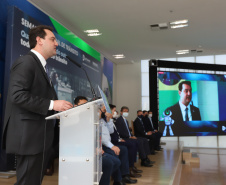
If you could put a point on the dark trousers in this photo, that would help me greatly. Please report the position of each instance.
(110, 164)
(123, 157)
(143, 146)
(30, 168)
(132, 148)
(152, 141)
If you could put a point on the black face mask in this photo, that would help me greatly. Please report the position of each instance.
(141, 116)
(103, 115)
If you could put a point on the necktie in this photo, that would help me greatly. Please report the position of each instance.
(127, 127)
(151, 124)
(186, 114)
(47, 72)
(142, 124)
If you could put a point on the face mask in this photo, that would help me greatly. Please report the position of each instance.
(150, 115)
(103, 115)
(115, 115)
(125, 114)
(141, 116)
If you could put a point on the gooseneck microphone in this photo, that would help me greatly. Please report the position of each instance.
(74, 62)
(77, 64)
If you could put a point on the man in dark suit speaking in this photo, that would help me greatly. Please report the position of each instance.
(31, 98)
(183, 110)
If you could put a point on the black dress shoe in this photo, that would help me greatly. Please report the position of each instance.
(128, 180)
(146, 164)
(132, 173)
(153, 152)
(119, 183)
(149, 161)
(137, 170)
(158, 149)
(152, 162)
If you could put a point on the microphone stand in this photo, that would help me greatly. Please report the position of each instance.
(77, 64)
(92, 89)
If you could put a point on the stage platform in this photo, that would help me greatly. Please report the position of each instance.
(166, 170)
(169, 170)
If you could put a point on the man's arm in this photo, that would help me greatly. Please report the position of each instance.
(21, 86)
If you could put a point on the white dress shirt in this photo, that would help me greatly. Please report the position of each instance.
(107, 129)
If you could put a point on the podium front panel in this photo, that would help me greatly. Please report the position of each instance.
(80, 159)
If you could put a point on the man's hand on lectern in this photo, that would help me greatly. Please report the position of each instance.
(61, 105)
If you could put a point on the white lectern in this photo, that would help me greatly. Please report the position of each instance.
(80, 158)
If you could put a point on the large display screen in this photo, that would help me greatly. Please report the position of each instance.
(192, 104)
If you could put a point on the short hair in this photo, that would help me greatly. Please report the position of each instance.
(181, 84)
(149, 111)
(124, 107)
(37, 31)
(139, 111)
(112, 106)
(144, 111)
(78, 98)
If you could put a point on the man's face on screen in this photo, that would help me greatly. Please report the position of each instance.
(185, 94)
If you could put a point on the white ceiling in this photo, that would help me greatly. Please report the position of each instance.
(125, 25)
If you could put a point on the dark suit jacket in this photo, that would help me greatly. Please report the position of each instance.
(27, 106)
(178, 125)
(147, 124)
(121, 128)
(139, 129)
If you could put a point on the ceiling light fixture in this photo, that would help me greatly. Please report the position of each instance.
(118, 56)
(93, 32)
(182, 52)
(179, 24)
(185, 21)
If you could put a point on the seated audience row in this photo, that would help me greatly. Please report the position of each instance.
(120, 147)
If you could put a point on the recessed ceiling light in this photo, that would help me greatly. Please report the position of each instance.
(185, 21)
(179, 24)
(182, 52)
(118, 56)
(93, 32)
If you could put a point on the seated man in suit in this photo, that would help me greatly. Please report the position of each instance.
(119, 151)
(183, 110)
(124, 132)
(131, 147)
(110, 162)
(139, 131)
(149, 127)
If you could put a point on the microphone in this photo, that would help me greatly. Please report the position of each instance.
(77, 64)
(73, 61)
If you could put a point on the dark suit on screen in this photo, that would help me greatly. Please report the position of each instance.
(178, 125)
(25, 131)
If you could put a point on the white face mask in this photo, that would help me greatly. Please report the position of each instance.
(115, 115)
(125, 114)
(150, 115)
